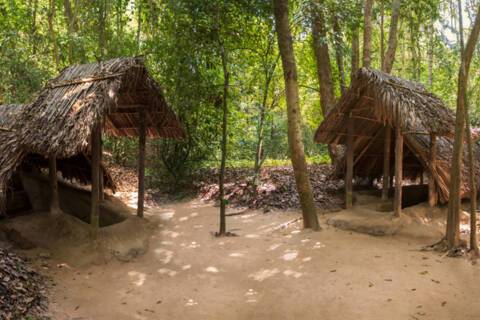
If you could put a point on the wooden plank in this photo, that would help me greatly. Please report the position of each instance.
(397, 204)
(432, 190)
(386, 161)
(141, 163)
(349, 173)
(95, 198)
(52, 176)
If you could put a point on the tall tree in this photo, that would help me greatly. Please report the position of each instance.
(322, 58)
(297, 154)
(367, 33)
(453, 217)
(392, 37)
(471, 159)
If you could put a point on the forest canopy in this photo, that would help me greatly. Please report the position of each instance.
(180, 42)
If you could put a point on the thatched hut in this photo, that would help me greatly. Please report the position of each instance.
(117, 97)
(377, 104)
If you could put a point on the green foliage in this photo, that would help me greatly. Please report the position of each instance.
(180, 42)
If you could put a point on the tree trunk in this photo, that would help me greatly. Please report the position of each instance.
(349, 165)
(142, 138)
(102, 37)
(338, 40)
(52, 174)
(269, 71)
(71, 28)
(453, 218)
(432, 189)
(471, 158)
(226, 84)
(355, 64)
(392, 37)
(295, 141)
(324, 72)
(382, 33)
(139, 24)
(96, 149)
(53, 35)
(367, 33)
(387, 145)
(397, 203)
(430, 55)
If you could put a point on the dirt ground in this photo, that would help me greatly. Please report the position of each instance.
(265, 273)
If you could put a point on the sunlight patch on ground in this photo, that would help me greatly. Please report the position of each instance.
(250, 294)
(264, 274)
(236, 254)
(167, 243)
(186, 267)
(193, 214)
(305, 240)
(292, 273)
(198, 226)
(318, 245)
(307, 259)
(165, 216)
(183, 219)
(212, 269)
(167, 271)
(164, 255)
(274, 246)
(191, 303)
(171, 234)
(252, 236)
(290, 255)
(140, 277)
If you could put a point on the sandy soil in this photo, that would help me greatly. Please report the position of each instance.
(266, 274)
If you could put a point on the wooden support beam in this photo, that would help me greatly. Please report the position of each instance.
(141, 163)
(397, 204)
(52, 175)
(362, 153)
(96, 148)
(432, 189)
(387, 145)
(349, 173)
(101, 191)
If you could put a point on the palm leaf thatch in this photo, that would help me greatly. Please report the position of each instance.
(376, 100)
(115, 92)
(12, 155)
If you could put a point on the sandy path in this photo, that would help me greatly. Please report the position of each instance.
(287, 274)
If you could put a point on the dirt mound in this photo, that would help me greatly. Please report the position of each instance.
(22, 290)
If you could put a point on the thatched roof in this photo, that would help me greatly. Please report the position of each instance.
(13, 155)
(62, 117)
(376, 99)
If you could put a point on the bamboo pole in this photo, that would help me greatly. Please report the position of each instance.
(349, 173)
(141, 163)
(386, 162)
(95, 201)
(52, 175)
(432, 190)
(397, 204)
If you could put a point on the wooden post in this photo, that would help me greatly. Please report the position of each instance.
(386, 161)
(397, 204)
(96, 148)
(52, 174)
(100, 182)
(141, 163)
(432, 191)
(349, 173)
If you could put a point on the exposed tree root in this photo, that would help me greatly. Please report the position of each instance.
(225, 234)
(442, 246)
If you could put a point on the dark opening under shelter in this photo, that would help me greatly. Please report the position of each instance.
(393, 129)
